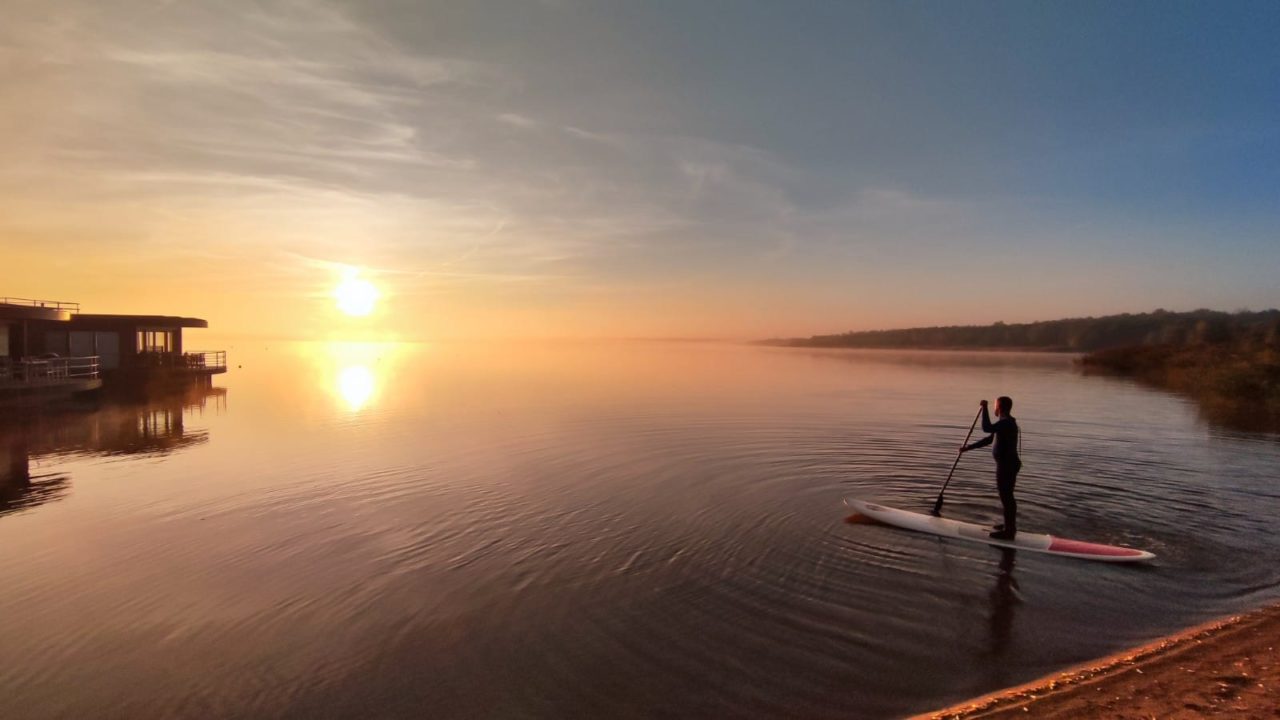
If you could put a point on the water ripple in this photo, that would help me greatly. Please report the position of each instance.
(674, 551)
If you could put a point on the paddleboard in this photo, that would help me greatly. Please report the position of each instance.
(1034, 542)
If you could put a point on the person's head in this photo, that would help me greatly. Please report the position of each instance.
(1004, 404)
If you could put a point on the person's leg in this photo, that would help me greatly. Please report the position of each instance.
(1005, 480)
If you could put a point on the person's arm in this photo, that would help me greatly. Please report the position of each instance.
(978, 443)
(987, 427)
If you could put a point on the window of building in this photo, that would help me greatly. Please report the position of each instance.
(155, 341)
(55, 341)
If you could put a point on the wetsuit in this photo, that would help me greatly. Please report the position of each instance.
(1004, 433)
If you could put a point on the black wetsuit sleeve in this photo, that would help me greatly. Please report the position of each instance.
(987, 426)
(980, 443)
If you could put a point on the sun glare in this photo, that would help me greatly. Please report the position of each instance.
(356, 296)
(356, 386)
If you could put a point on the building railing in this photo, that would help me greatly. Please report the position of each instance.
(50, 304)
(199, 360)
(206, 359)
(44, 371)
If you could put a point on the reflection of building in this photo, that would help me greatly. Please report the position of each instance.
(152, 426)
(27, 492)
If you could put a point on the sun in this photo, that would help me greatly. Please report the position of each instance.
(356, 296)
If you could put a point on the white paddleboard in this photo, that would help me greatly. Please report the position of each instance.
(976, 533)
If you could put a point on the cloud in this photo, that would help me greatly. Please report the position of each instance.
(517, 120)
(296, 123)
(302, 128)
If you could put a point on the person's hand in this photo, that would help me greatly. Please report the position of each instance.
(982, 403)
(964, 448)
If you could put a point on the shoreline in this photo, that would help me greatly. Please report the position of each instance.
(929, 348)
(1228, 667)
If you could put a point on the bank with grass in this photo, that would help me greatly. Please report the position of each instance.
(1234, 373)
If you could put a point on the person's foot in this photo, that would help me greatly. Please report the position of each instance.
(997, 527)
(1002, 534)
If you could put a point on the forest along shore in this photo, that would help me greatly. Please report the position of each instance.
(1236, 379)
(1226, 668)
(1228, 362)
(1075, 335)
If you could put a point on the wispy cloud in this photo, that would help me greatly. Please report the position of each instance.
(321, 129)
(447, 146)
(517, 120)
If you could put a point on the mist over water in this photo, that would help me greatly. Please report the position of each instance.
(602, 530)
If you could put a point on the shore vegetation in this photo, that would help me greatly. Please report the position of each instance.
(1233, 371)
(1229, 362)
(1082, 335)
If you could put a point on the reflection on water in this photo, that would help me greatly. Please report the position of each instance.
(603, 530)
(1004, 597)
(355, 384)
(20, 490)
(355, 373)
(146, 426)
(1221, 407)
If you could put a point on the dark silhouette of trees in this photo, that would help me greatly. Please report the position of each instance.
(1161, 327)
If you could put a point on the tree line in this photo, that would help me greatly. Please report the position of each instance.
(1087, 334)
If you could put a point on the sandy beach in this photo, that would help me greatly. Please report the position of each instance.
(1225, 668)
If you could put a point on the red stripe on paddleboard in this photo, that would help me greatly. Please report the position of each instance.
(1087, 548)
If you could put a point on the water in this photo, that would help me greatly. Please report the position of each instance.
(600, 530)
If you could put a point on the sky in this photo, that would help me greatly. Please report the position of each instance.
(639, 169)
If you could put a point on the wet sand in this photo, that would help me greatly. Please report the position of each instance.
(1226, 668)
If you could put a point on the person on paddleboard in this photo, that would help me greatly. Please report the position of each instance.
(1004, 433)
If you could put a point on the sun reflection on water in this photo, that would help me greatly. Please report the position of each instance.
(356, 386)
(356, 374)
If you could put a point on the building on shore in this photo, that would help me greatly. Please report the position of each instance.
(28, 377)
(49, 349)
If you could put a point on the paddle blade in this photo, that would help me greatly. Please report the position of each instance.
(858, 519)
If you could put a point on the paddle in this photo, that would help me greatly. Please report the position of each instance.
(937, 506)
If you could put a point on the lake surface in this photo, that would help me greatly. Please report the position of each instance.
(600, 530)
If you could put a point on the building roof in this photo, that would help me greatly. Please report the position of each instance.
(160, 321)
(27, 312)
